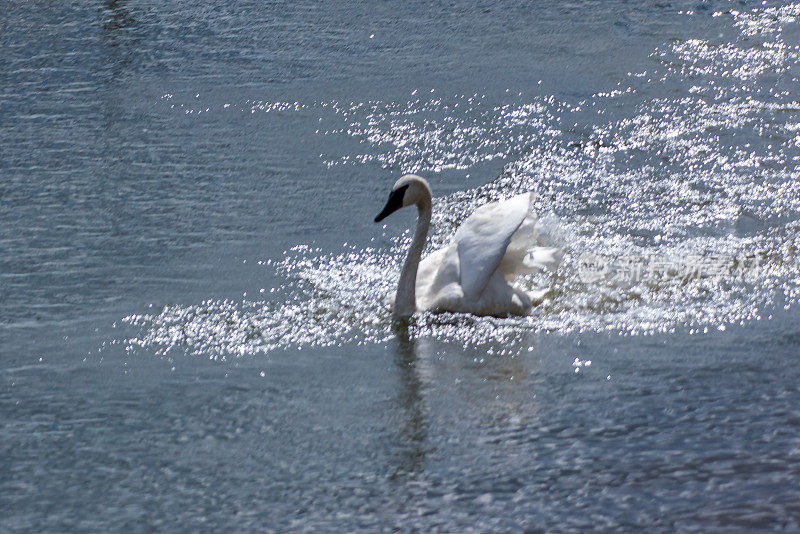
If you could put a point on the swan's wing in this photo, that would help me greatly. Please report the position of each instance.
(483, 238)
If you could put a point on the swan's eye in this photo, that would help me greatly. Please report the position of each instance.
(394, 203)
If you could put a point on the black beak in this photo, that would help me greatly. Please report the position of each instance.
(394, 203)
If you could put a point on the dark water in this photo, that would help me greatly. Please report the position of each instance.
(192, 328)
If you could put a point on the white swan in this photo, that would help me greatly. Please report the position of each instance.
(474, 273)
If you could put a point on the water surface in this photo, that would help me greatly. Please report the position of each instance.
(192, 320)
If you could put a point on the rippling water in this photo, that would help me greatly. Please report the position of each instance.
(193, 323)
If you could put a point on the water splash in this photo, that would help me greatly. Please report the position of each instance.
(710, 171)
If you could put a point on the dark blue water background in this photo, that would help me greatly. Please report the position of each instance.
(192, 328)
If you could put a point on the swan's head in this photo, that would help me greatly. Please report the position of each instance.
(407, 191)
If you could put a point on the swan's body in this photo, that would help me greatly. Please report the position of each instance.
(475, 273)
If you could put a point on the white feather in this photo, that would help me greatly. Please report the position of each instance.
(482, 241)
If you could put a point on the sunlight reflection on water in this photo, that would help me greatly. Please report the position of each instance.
(674, 176)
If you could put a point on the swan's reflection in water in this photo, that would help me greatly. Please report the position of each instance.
(488, 395)
(413, 430)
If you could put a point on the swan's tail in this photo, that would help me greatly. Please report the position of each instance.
(547, 258)
(541, 258)
(526, 253)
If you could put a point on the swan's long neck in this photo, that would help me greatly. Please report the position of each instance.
(405, 302)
